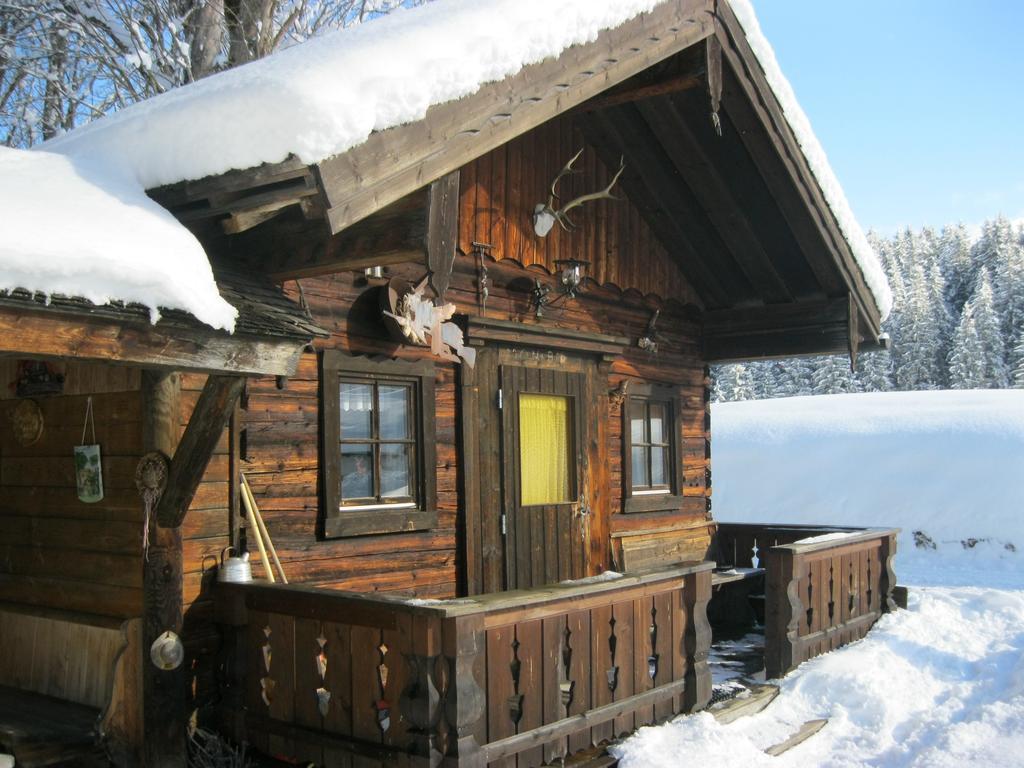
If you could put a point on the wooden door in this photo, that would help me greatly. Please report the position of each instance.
(545, 515)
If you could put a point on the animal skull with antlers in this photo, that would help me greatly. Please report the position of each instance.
(545, 215)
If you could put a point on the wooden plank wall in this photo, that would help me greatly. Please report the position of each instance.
(281, 459)
(55, 551)
(499, 192)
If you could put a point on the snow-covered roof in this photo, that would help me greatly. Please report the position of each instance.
(329, 94)
(81, 227)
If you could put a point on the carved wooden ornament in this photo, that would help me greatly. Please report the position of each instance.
(27, 422)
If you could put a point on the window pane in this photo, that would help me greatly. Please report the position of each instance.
(356, 472)
(637, 419)
(544, 447)
(394, 411)
(657, 423)
(659, 466)
(356, 402)
(394, 470)
(640, 478)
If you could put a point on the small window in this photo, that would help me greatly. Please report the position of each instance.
(377, 455)
(651, 449)
(545, 449)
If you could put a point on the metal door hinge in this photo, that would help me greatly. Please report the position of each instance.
(503, 529)
(501, 400)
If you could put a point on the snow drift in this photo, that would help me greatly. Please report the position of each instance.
(949, 464)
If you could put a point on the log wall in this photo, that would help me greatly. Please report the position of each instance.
(55, 551)
(632, 274)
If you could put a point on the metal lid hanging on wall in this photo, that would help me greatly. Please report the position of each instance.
(88, 464)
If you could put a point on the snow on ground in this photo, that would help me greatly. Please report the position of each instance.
(949, 464)
(940, 684)
(78, 227)
(329, 94)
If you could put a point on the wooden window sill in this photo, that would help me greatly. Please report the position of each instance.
(366, 522)
(652, 502)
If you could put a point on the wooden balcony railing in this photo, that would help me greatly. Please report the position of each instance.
(515, 678)
(824, 586)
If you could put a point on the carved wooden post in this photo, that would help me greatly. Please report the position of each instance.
(782, 611)
(464, 645)
(697, 643)
(887, 578)
(428, 684)
(164, 716)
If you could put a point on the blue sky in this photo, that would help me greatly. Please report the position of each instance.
(918, 103)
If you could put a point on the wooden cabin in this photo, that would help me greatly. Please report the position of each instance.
(431, 488)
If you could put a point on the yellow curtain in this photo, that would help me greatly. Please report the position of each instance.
(544, 446)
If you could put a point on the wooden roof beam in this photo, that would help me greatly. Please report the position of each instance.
(202, 433)
(669, 85)
(62, 336)
(646, 158)
(783, 330)
(752, 97)
(394, 162)
(716, 197)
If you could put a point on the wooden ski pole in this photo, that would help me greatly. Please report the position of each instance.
(254, 527)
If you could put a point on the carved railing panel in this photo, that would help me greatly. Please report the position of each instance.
(821, 595)
(500, 680)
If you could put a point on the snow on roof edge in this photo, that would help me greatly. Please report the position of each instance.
(814, 153)
(306, 110)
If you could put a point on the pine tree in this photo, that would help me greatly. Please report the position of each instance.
(734, 382)
(919, 363)
(832, 376)
(978, 357)
(1017, 375)
(954, 256)
(874, 371)
(966, 360)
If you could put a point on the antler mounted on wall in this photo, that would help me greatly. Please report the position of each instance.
(545, 214)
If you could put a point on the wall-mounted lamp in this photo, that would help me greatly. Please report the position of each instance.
(570, 279)
(573, 272)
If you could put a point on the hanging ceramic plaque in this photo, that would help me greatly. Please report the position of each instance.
(88, 466)
(89, 473)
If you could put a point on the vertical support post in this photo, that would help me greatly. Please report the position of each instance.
(783, 608)
(887, 578)
(420, 701)
(465, 647)
(697, 642)
(442, 231)
(164, 715)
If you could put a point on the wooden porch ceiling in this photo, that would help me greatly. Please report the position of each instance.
(726, 207)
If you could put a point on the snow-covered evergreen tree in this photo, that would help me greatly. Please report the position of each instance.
(874, 371)
(966, 360)
(919, 363)
(734, 382)
(1017, 373)
(832, 375)
(978, 358)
